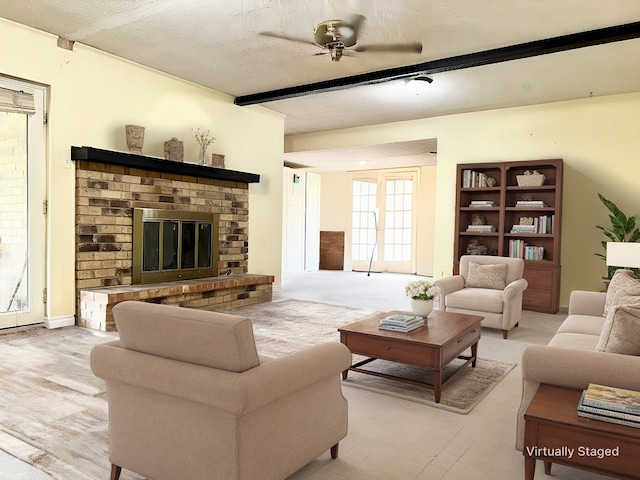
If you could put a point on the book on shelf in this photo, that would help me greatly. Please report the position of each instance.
(530, 203)
(520, 249)
(482, 203)
(481, 228)
(524, 229)
(604, 412)
(612, 398)
(542, 224)
(473, 179)
(531, 252)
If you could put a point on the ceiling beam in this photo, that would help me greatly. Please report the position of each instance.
(504, 54)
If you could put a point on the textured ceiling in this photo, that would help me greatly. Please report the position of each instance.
(217, 43)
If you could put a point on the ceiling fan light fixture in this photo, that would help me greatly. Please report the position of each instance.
(336, 50)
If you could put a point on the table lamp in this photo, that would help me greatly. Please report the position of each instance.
(623, 254)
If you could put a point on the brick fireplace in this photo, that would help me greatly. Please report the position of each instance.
(109, 185)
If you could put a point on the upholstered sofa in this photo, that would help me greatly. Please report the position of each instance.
(189, 397)
(598, 342)
(488, 286)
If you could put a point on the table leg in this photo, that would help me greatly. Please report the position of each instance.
(547, 467)
(529, 468)
(437, 384)
(474, 354)
(344, 374)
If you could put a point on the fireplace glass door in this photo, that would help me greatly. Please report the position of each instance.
(170, 245)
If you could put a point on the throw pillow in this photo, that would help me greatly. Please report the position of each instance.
(487, 276)
(624, 289)
(621, 331)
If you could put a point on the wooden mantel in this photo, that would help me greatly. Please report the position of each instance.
(157, 164)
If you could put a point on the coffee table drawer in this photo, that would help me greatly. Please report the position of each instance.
(391, 349)
(460, 343)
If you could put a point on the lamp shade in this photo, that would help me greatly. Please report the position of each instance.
(623, 254)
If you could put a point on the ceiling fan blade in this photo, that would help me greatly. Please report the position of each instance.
(412, 47)
(286, 37)
(350, 30)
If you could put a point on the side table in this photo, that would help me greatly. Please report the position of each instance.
(554, 433)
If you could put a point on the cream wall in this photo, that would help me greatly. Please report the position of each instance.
(92, 96)
(597, 138)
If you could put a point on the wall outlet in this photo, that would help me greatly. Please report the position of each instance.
(66, 160)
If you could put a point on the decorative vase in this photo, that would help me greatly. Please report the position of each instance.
(135, 138)
(421, 308)
(203, 156)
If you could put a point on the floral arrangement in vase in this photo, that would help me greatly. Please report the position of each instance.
(204, 140)
(421, 293)
(421, 290)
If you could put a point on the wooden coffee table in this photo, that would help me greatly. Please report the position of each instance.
(444, 337)
(554, 433)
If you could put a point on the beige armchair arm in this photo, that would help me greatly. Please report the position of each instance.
(448, 285)
(515, 288)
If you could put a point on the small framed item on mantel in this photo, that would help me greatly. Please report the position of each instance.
(217, 160)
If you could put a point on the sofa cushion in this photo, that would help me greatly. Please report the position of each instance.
(624, 289)
(201, 337)
(587, 324)
(621, 331)
(574, 341)
(480, 299)
(487, 276)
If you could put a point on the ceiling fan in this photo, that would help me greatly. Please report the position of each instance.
(338, 37)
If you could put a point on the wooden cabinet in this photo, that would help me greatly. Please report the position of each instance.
(502, 211)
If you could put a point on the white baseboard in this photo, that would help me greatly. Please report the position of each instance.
(58, 322)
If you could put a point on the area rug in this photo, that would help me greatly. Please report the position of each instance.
(291, 325)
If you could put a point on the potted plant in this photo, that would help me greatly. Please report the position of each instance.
(623, 229)
(422, 293)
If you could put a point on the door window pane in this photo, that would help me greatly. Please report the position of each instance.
(14, 213)
(364, 226)
(398, 220)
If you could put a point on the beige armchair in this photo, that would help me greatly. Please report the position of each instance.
(189, 397)
(489, 286)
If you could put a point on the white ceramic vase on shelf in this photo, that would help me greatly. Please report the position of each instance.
(421, 307)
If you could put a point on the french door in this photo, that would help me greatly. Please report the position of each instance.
(22, 193)
(383, 221)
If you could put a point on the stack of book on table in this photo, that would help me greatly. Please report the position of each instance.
(610, 404)
(401, 323)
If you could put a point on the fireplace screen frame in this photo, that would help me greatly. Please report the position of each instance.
(143, 215)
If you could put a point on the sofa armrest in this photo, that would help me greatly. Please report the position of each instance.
(448, 285)
(515, 288)
(573, 368)
(233, 392)
(582, 302)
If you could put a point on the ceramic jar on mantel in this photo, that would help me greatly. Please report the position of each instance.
(421, 308)
(135, 138)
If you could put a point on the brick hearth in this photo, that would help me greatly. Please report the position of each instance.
(106, 194)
